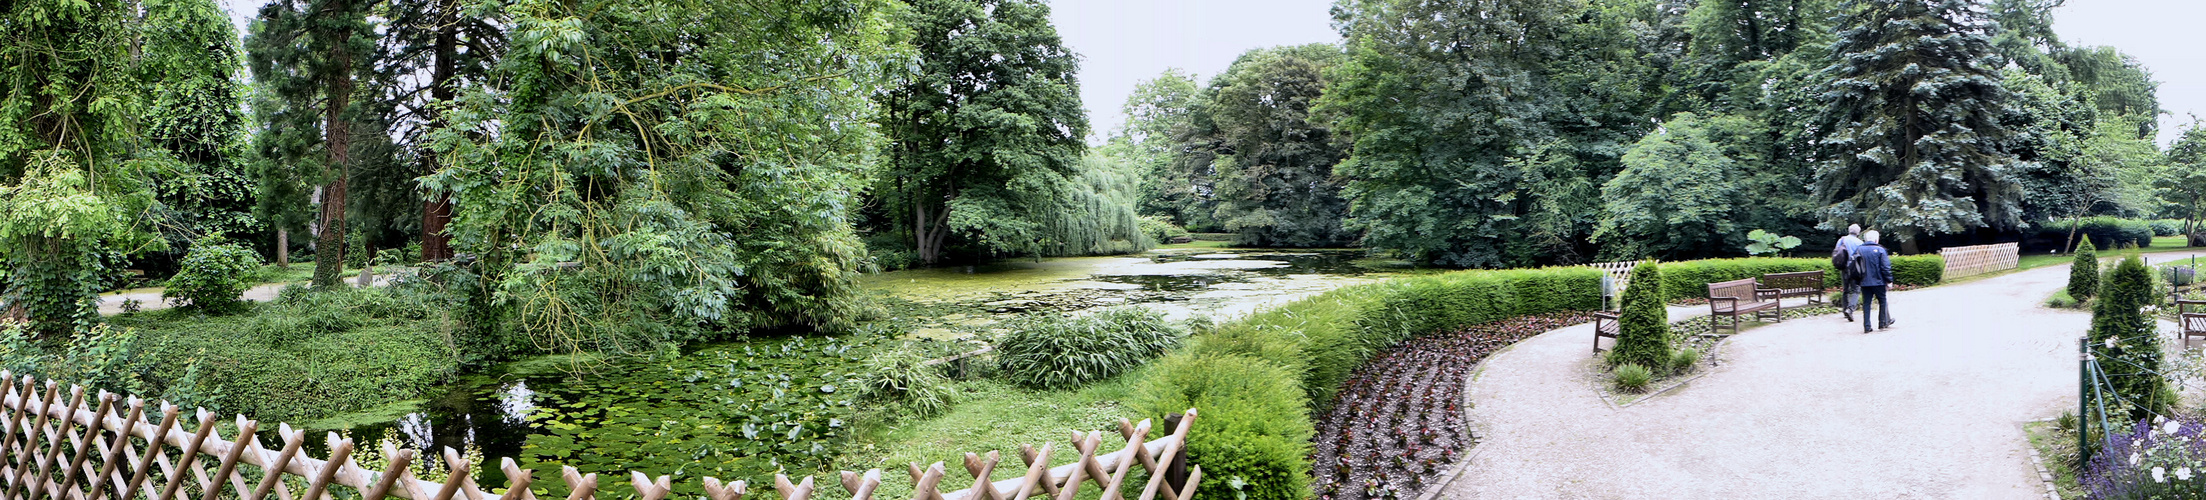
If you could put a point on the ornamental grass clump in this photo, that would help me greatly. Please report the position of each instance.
(2083, 276)
(1633, 378)
(1643, 337)
(2126, 340)
(2157, 458)
(1057, 352)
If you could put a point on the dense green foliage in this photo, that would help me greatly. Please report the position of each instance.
(1060, 353)
(984, 133)
(212, 277)
(1914, 122)
(2102, 231)
(1416, 306)
(2126, 340)
(1693, 188)
(2083, 276)
(1253, 428)
(72, 186)
(308, 56)
(1690, 279)
(195, 111)
(1271, 159)
(1643, 329)
(902, 375)
(643, 176)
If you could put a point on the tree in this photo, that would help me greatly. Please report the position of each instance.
(72, 184)
(308, 54)
(1643, 326)
(2182, 180)
(1725, 34)
(977, 136)
(189, 67)
(455, 46)
(1678, 196)
(2083, 274)
(2126, 341)
(1273, 159)
(1157, 127)
(1446, 100)
(1913, 124)
(634, 177)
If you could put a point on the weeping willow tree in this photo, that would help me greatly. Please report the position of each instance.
(1095, 211)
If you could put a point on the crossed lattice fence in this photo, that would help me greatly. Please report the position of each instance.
(1980, 259)
(64, 444)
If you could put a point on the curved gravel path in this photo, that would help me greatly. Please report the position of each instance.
(1807, 408)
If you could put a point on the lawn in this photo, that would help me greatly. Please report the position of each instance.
(993, 415)
(2159, 244)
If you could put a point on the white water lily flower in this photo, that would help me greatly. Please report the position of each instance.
(2183, 473)
(2159, 475)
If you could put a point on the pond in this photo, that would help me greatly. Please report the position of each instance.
(787, 398)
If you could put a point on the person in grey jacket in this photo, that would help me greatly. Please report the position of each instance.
(1874, 265)
(1849, 288)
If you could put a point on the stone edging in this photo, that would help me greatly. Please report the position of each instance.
(2038, 462)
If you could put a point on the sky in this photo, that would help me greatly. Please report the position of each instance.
(1123, 42)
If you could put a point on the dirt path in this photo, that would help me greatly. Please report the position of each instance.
(150, 298)
(1805, 409)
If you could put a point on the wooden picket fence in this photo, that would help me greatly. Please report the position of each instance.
(1620, 273)
(1980, 259)
(61, 445)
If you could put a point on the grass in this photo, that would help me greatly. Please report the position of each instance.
(993, 415)
(2159, 245)
(2061, 300)
(2057, 446)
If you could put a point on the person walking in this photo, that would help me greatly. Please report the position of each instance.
(1842, 257)
(1874, 265)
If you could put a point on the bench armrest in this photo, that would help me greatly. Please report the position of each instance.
(1600, 315)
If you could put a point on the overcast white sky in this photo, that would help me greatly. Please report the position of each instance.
(1125, 41)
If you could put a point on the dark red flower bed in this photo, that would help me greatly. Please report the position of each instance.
(1398, 421)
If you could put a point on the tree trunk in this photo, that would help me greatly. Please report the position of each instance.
(436, 212)
(283, 249)
(329, 255)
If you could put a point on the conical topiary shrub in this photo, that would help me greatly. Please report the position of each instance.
(2126, 339)
(2083, 276)
(1643, 334)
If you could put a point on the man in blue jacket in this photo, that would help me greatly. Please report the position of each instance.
(1874, 265)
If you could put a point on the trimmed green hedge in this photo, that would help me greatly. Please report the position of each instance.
(1690, 279)
(1251, 424)
(2107, 233)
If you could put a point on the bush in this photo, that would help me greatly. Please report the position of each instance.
(1690, 279)
(2127, 338)
(1630, 377)
(1315, 338)
(1643, 330)
(1416, 306)
(2104, 232)
(1161, 229)
(2167, 227)
(2083, 275)
(902, 375)
(212, 277)
(1252, 425)
(2154, 459)
(1056, 352)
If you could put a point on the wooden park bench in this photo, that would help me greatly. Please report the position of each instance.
(1741, 296)
(2194, 323)
(1801, 284)
(1604, 325)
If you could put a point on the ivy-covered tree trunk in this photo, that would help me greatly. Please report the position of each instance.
(329, 251)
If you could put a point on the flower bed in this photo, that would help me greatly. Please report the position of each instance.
(2159, 458)
(1397, 422)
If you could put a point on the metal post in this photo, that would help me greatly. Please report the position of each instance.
(2083, 399)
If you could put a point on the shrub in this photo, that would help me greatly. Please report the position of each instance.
(1427, 304)
(2167, 227)
(2127, 339)
(1684, 360)
(212, 277)
(1918, 270)
(1057, 352)
(902, 375)
(2083, 275)
(1252, 426)
(1643, 334)
(2103, 232)
(2156, 458)
(1631, 377)
(1161, 229)
(1315, 338)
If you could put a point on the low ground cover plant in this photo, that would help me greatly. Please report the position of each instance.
(1398, 422)
(2156, 458)
(1059, 352)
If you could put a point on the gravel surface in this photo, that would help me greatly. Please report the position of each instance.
(1804, 409)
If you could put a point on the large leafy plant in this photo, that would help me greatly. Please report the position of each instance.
(1767, 243)
(1062, 353)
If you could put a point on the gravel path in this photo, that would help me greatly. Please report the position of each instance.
(1808, 408)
